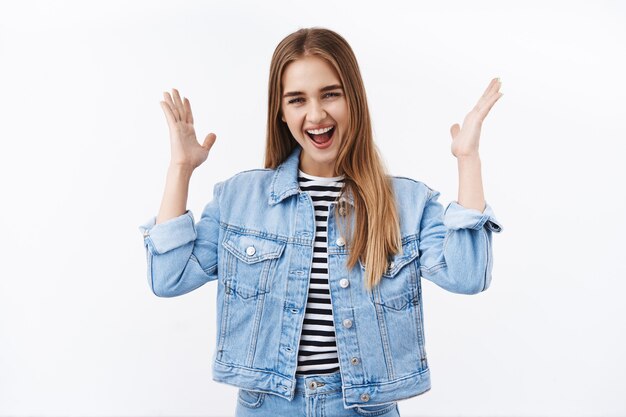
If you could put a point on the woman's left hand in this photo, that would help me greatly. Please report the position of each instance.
(465, 139)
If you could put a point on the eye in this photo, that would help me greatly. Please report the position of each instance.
(300, 99)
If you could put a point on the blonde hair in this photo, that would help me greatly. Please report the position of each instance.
(377, 235)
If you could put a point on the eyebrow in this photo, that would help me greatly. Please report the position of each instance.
(327, 88)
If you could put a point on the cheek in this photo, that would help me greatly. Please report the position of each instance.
(292, 118)
(294, 126)
(340, 112)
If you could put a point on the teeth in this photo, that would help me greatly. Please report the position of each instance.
(319, 131)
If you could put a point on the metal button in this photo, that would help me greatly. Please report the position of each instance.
(347, 323)
(391, 265)
(365, 397)
(354, 361)
(250, 250)
(344, 283)
(312, 384)
(340, 241)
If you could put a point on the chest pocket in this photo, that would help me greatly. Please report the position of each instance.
(250, 262)
(398, 288)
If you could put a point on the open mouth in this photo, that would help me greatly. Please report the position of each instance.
(322, 138)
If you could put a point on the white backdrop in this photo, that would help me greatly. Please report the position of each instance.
(85, 150)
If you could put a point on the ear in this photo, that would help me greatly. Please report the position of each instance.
(283, 118)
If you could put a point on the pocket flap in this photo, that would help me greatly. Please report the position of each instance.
(400, 301)
(252, 248)
(410, 251)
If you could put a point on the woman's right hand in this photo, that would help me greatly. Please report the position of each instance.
(185, 149)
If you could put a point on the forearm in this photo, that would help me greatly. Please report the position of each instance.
(174, 202)
(471, 194)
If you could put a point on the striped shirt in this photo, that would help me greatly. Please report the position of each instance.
(317, 353)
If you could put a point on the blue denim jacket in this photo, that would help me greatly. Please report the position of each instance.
(255, 238)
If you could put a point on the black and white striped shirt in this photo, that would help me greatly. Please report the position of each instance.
(317, 353)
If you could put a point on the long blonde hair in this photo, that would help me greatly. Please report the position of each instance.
(377, 235)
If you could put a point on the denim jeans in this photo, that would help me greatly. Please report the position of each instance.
(315, 396)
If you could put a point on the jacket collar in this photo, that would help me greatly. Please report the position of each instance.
(285, 180)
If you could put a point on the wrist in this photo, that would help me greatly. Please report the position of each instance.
(180, 170)
(468, 157)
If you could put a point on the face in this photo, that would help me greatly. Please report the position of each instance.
(313, 101)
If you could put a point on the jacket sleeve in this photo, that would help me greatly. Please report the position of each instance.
(182, 254)
(455, 245)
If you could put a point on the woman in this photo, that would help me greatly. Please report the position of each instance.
(318, 256)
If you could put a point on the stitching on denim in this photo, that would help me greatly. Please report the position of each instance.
(390, 382)
(362, 410)
(208, 270)
(274, 196)
(150, 272)
(253, 232)
(154, 251)
(417, 313)
(268, 256)
(224, 324)
(260, 306)
(478, 224)
(487, 257)
(447, 238)
(273, 183)
(382, 325)
(253, 370)
(433, 268)
(260, 398)
(404, 258)
(430, 190)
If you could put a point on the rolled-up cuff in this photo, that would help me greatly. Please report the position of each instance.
(458, 217)
(170, 234)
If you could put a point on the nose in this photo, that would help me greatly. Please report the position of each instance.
(316, 113)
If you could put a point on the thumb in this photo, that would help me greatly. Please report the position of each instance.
(209, 140)
(454, 130)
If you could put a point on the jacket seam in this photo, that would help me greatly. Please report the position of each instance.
(246, 231)
(390, 382)
(478, 224)
(264, 371)
(486, 260)
(433, 268)
(208, 270)
(152, 246)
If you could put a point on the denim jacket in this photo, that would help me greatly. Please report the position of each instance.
(255, 239)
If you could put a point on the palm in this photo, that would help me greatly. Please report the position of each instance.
(465, 139)
(185, 149)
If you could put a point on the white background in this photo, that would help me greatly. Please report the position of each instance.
(84, 152)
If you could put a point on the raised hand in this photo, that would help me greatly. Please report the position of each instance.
(185, 149)
(465, 139)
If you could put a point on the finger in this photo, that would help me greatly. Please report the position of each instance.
(171, 120)
(454, 130)
(188, 111)
(488, 105)
(494, 85)
(209, 140)
(489, 87)
(179, 105)
(169, 101)
(492, 88)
